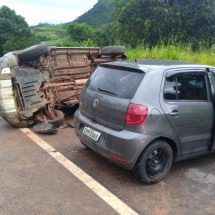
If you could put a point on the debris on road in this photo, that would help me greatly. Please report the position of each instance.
(45, 128)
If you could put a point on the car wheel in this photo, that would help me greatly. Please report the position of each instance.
(154, 163)
(87, 147)
(31, 53)
(58, 121)
(113, 50)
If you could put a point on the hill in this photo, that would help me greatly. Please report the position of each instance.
(47, 32)
(100, 14)
(97, 16)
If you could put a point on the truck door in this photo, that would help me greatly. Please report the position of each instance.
(187, 104)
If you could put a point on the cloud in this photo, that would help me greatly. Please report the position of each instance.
(51, 11)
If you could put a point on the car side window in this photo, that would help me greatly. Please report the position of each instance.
(186, 86)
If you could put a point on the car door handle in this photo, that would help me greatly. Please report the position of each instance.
(174, 113)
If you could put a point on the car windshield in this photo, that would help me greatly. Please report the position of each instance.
(115, 82)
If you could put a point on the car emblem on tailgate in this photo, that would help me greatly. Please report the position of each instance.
(95, 103)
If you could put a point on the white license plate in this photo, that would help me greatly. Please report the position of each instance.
(91, 133)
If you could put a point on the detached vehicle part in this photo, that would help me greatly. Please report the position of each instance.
(37, 81)
(45, 128)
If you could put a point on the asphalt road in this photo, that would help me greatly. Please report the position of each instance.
(32, 182)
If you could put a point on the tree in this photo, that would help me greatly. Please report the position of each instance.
(81, 32)
(153, 21)
(99, 15)
(109, 35)
(14, 31)
(142, 21)
(197, 21)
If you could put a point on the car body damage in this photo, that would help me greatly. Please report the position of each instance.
(36, 82)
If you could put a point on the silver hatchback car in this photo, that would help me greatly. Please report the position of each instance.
(144, 115)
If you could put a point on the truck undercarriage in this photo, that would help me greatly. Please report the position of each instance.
(36, 82)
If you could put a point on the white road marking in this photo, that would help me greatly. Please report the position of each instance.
(118, 205)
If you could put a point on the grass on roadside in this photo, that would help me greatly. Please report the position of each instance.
(173, 52)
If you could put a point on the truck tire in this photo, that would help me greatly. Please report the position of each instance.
(31, 53)
(18, 123)
(113, 50)
(8, 107)
(58, 121)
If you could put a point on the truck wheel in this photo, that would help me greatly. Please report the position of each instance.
(31, 53)
(8, 108)
(58, 121)
(113, 50)
(18, 123)
(154, 163)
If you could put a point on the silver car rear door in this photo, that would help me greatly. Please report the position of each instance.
(188, 107)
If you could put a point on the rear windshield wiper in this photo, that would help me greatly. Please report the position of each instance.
(108, 92)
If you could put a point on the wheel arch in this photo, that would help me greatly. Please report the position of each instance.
(142, 171)
(171, 142)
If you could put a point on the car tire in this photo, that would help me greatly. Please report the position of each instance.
(58, 121)
(113, 50)
(87, 147)
(31, 53)
(154, 163)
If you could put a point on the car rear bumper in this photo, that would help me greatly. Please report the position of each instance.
(121, 147)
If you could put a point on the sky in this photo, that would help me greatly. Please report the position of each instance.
(49, 11)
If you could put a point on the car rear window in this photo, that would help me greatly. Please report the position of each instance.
(120, 83)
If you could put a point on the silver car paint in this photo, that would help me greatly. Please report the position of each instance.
(157, 124)
(194, 137)
(109, 111)
(125, 144)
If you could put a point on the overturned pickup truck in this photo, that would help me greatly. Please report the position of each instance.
(36, 82)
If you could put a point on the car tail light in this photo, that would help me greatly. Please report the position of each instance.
(136, 114)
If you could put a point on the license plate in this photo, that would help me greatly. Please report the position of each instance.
(91, 133)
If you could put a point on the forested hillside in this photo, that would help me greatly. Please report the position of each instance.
(100, 14)
(149, 22)
(171, 28)
(167, 21)
(84, 31)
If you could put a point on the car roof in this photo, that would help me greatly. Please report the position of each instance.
(149, 64)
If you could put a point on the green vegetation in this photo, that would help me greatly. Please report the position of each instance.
(87, 30)
(14, 31)
(101, 14)
(82, 32)
(52, 34)
(79, 35)
(162, 29)
(173, 52)
(176, 21)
